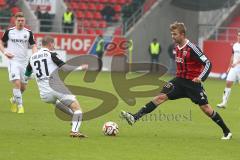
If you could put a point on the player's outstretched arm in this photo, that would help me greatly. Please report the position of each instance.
(66, 67)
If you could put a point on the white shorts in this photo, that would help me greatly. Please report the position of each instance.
(234, 74)
(53, 96)
(16, 71)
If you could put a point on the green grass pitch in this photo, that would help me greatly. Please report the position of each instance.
(39, 134)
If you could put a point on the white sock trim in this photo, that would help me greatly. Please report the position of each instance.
(76, 121)
(226, 94)
(18, 97)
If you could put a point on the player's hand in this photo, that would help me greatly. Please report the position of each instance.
(84, 66)
(196, 80)
(8, 55)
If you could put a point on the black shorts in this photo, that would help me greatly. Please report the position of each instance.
(183, 88)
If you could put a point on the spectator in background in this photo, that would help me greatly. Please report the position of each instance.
(5, 15)
(172, 53)
(68, 21)
(127, 11)
(130, 54)
(108, 12)
(46, 22)
(5, 11)
(38, 12)
(11, 3)
(100, 51)
(154, 51)
(137, 4)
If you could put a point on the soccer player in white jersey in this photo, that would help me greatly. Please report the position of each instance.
(233, 72)
(43, 64)
(17, 39)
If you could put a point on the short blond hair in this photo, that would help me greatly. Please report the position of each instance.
(47, 40)
(178, 26)
(19, 14)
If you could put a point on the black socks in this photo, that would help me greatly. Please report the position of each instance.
(149, 107)
(218, 119)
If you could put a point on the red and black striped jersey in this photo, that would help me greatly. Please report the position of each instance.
(191, 62)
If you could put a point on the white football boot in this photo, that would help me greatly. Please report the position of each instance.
(227, 137)
(129, 117)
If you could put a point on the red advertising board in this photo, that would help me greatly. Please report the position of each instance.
(219, 53)
(80, 44)
(73, 44)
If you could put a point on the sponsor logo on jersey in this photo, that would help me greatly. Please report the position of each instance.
(184, 53)
(202, 95)
(179, 60)
(19, 40)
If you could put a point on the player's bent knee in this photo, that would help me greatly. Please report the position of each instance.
(75, 106)
(229, 84)
(17, 83)
(160, 98)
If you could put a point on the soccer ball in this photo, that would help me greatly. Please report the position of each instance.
(110, 129)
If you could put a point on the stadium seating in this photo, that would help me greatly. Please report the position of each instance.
(88, 14)
(231, 32)
(7, 13)
(2, 3)
(89, 17)
(118, 31)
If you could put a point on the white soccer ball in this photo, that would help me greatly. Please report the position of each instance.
(110, 129)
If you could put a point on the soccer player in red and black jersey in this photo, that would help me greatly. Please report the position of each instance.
(193, 67)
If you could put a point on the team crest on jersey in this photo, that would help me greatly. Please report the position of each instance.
(202, 95)
(24, 36)
(184, 53)
(13, 75)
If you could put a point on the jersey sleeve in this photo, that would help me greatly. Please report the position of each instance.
(5, 36)
(31, 39)
(56, 60)
(28, 71)
(200, 56)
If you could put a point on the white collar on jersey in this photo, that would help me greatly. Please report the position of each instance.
(45, 49)
(183, 45)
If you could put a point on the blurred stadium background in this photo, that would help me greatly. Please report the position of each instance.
(211, 24)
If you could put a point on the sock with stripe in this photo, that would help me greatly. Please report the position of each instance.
(219, 121)
(18, 97)
(76, 120)
(226, 94)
